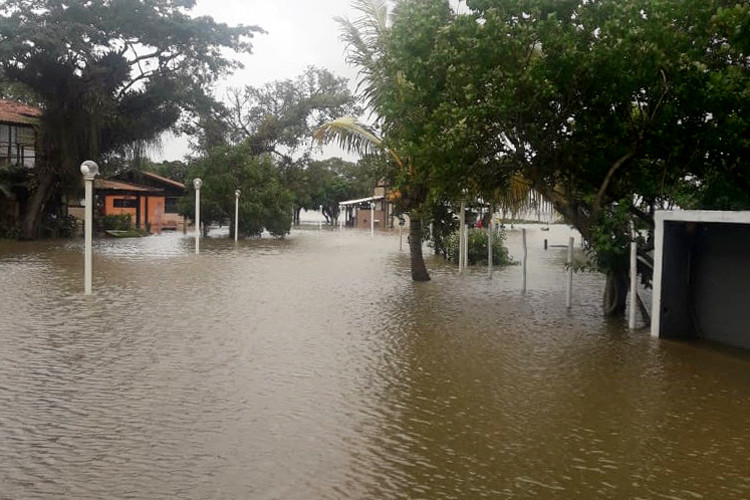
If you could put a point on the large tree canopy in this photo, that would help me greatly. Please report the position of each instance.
(610, 108)
(108, 73)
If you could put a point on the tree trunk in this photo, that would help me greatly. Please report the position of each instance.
(32, 218)
(616, 293)
(418, 269)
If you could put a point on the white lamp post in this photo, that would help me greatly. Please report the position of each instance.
(89, 169)
(237, 193)
(320, 222)
(197, 183)
(401, 223)
(372, 218)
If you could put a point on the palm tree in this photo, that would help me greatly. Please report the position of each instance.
(367, 39)
(355, 136)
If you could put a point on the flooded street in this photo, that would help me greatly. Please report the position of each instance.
(313, 368)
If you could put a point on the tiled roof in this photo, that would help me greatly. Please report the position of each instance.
(164, 179)
(123, 186)
(18, 113)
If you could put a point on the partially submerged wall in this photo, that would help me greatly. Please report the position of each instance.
(703, 278)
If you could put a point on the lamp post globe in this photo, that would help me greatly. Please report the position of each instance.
(237, 193)
(89, 169)
(197, 183)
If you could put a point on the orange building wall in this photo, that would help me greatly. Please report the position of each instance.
(155, 205)
(110, 209)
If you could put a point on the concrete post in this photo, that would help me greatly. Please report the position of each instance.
(461, 235)
(569, 289)
(197, 183)
(236, 213)
(525, 255)
(489, 248)
(372, 219)
(633, 278)
(89, 169)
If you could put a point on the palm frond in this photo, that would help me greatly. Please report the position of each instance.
(352, 135)
(366, 44)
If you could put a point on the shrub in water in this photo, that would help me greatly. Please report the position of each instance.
(122, 222)
(478, 248)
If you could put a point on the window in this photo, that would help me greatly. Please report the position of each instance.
(125, 203)
(17, 145)
(170, 205)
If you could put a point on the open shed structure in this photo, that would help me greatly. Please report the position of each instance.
(702, 276)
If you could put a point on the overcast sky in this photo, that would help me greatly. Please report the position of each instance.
(300, 33)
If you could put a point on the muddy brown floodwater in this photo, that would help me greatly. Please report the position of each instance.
(313, 368)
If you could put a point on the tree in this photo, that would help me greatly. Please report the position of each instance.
(403, 88)
(610, 109)
(264, 202)
(279, 119)
(334, 180)
(108, 73)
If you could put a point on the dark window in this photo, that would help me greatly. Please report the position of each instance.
(125, 203)
(170, 205)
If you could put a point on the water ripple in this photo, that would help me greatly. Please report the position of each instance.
(314, 368)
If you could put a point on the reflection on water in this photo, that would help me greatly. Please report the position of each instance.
(314, 368)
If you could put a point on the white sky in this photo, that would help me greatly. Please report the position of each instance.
(300, 33)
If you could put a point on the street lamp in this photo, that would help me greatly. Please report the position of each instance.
(89, 169)
(401, 223)
(372, 218)
(237, 193)
(197, 183)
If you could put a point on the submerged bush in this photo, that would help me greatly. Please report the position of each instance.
(478, 248)
(122, 222)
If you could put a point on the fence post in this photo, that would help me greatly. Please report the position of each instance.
(633, 277)
(569, 291)
(525, 254)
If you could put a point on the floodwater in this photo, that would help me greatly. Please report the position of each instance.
(313, 368)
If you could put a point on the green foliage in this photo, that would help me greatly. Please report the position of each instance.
(444, 225)
(610, 109)
(264, 202)
(478, 248)
(121, 222)
(108, 74)
(280, 117)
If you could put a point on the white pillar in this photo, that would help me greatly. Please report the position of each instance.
(524, 259)
(236, 213)
(372, 218)
(569, 289)
(197, 183)
(400, 236)
(466, 244)
(320, 222)
(633, 278)
(461, 219)
(489, 248)
(89, 169)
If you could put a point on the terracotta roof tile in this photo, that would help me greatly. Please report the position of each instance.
(123, 186)
(164, 179)
(18, 113)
